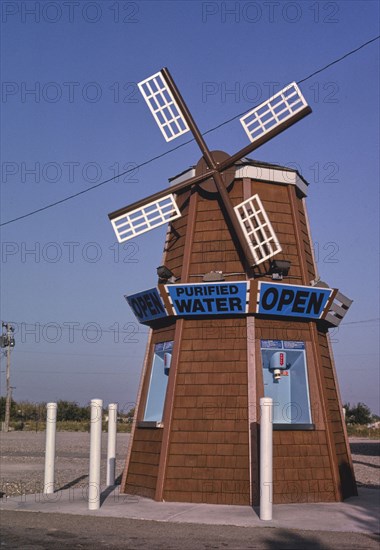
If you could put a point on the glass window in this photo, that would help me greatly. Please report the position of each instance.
(285, 380)
(158, 382)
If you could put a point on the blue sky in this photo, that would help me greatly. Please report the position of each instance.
(72, 117)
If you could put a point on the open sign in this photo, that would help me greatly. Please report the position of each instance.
(292, 301)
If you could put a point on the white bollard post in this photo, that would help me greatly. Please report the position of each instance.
(51, 423)
(266, 458)
(111, 446)
(95, 454)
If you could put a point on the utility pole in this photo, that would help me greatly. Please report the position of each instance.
(8, 341)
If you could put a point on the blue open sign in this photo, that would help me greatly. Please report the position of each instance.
(307, 302)
(147, 305)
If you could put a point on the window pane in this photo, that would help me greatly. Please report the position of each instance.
(285, 381)
(158, 382)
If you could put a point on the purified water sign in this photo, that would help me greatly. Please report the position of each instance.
(209, 299)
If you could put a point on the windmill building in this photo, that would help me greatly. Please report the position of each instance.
(239, 313)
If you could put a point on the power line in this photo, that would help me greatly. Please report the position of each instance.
(298, 82)
(376, 320)
(339, 59)
(94, 186)
(68, 325)
(356, 354)
(54, 372)
(70, 197)
(74, 354)
(99, 328)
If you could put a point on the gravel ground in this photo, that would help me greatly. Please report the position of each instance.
(22, 461)
(23, 455)
(366, 460)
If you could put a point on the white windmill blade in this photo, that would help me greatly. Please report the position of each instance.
(257, 229)
(140, 220)
(163, 106)
(285, 106)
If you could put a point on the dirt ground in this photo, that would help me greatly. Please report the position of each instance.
(22, 461)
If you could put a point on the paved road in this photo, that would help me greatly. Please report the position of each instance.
(36, 531)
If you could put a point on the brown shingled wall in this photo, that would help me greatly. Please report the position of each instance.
(334, 416)
(208, 451)
(142, 472)
(143, 466)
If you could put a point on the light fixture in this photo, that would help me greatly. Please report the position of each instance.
(165, 276)
(213, 276)
(279, 269)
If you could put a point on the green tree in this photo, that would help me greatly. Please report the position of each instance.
(71, 411)
(30, 411)
(358, 414)
(130, 414)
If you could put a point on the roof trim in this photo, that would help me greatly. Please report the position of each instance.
(256, 170)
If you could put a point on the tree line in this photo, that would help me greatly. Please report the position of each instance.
(67, 411)
(70, 411)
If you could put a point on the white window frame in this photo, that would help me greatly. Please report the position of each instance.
(163, 106)
(257, 229)
(143, 219)
(283, 106)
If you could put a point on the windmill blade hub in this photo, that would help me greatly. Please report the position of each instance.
(227, 175)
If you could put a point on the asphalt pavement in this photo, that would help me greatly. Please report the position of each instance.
(357, 514)
(36, 531)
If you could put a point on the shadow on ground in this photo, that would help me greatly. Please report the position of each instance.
(369, 448)
(71, 483)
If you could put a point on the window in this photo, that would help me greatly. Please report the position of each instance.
(285, 381)
(158, 382)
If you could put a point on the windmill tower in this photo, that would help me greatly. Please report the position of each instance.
(239, 312)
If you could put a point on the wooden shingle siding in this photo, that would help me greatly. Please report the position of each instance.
(143, 466)
(144, 460)
(209, 441)
(276, 203)
(175, 243)
(335, 420)
(306, 241)
(300, 464)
